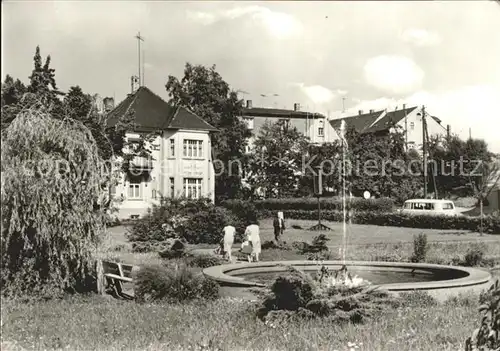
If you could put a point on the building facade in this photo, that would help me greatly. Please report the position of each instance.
(312, 125)
(180, 160)
(408, 119)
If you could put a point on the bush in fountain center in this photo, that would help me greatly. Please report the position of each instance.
(298, 295)
(491, 224)
(172, 284)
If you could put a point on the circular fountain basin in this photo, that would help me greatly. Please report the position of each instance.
(439, 281)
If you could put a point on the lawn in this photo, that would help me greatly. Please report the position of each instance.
(98, 323)
(101, 323)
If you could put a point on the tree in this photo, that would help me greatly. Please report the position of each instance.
(51, 180)
(203, 91)
(43, 83)
(326, 157)
(12, 94)
(276, 160)
(381, 165)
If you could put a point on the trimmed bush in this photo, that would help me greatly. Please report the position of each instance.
(420, 248)
(491, 224)
(311, 204)
(196, 221)
(154, 282)
(204, 261)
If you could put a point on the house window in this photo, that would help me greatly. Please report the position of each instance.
(112, 190)
(153, 194)
(192, 188)
(172, 148)
(155, 147)
(248, 122)
(321, 131)
(134, 191)
(412, 125)
(193, 148)
(172, 187)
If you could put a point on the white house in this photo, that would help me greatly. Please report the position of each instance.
(409, 119)
(181, 158)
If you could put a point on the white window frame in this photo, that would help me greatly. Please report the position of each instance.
(134, 191)
(192, 148)
(193, 188)
(412, 125)
(321, 131)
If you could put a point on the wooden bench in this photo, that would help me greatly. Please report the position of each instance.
(114, 275)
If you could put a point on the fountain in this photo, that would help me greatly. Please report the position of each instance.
(439, 281)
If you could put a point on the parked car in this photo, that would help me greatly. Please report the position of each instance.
(430, 207)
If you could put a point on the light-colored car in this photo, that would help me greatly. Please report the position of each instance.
(430, 207)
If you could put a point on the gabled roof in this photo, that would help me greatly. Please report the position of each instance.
(389, 120)
(358, 122)
(279, 113)
(374, 121)
(154, 113)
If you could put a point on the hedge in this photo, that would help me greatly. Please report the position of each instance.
(491, 224)
(311, 204)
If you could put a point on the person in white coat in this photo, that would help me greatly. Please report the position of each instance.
(252, 233)
(229, 232)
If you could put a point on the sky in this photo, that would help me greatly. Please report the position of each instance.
(327, 56)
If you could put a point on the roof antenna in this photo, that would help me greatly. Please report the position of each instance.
(139, 39)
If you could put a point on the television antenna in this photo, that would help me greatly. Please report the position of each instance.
(139, 39)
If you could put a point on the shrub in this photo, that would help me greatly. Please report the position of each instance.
(491, 224)
(311, 204)
(474, 256)
(173, 285)
(270, 244)
(420, 248)
(486, 337)
(204, 261)
(50, 221)
(318, 245)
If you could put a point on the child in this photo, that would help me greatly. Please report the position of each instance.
(246, 248)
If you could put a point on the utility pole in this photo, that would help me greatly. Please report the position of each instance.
(424, 150)
(406, 128)
(139, 39)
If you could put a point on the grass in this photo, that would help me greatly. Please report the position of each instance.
(97, 323)
(101, 323)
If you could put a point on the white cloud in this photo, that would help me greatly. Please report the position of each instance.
(204, 18)
(393, 74)
(420, 37)
(474, 107)
(319, 94)
(279, 24)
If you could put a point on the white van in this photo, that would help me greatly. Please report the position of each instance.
(429, 207)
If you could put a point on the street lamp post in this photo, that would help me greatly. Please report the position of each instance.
(318, 190)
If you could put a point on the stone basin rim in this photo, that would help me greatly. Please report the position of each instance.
(475, 276)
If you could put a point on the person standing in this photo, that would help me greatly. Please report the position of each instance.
(279, 226)
(252, 233)
(229, 232)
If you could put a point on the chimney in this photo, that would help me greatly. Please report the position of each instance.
(404, 107)
(371, 111)
(360, 112)
(109, 104)
(296, 107)
(249, 103)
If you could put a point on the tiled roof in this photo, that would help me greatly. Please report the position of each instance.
(389, 120)
(370, 122)
(154, 113)
(358, 122)
(279, 113)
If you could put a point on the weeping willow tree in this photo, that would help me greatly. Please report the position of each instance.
(51, 181)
